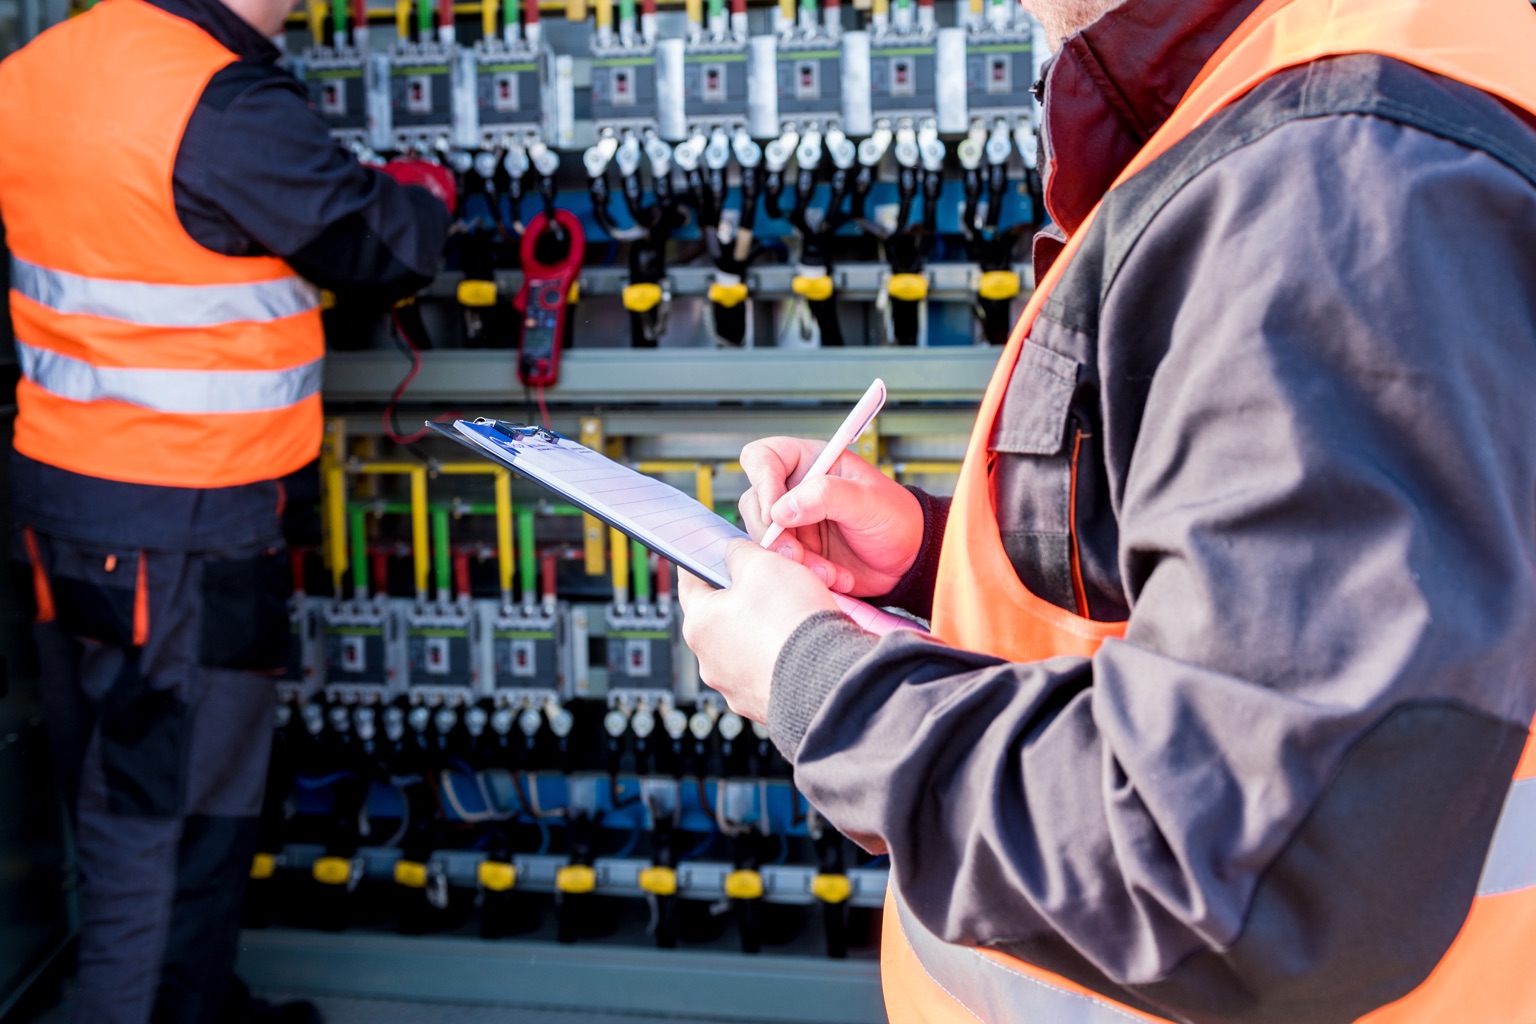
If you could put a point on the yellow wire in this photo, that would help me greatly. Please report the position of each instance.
(604, 10)
(504, 560)
(619, 561)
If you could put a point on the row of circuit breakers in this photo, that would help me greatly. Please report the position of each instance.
(491, 715)
(689, 104)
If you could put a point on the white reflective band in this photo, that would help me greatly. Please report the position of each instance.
(163, 305)
(997, 994)
(1511, 862)
(174, 391)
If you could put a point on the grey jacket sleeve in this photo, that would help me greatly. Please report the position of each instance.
(1326, 536)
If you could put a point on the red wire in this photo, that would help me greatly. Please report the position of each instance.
(543, 409)
(647, 6)
(388, 416)
(445, 13)
(663, 577)
(380, 571)
(461, 572)
(548, 567)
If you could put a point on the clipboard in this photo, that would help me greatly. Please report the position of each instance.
(663, 519)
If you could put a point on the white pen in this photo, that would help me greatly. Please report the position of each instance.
(869, 406)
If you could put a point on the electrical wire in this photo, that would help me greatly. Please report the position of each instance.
(390, 417)
(701, 849)
(445, 783)
(307, 782)
(629, 847)
(405, 821)
(543, 409)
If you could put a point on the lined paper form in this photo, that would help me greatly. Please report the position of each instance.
(658, 515)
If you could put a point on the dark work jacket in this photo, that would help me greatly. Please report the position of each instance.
(1297, 355)
(256, 174)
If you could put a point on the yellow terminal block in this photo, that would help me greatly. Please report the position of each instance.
(998, 284)
(642, 298)
(728, 295)
(744, 885)
(263, 866)
(332, 871)
(496, 876)
(831, 888)
(477, 293)
(576, 879)
(813, 289)
(659, 881)
(411, 873)
(908, 287)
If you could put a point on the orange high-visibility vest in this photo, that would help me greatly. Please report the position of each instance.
(145, 357)
(980, 603)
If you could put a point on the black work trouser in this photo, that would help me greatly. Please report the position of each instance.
(156, 671)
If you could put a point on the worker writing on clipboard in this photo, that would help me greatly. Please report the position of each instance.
(1226, 710)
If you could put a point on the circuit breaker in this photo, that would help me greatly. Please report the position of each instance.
(441, 643)
(336, 82)
(411, 98)
(530, 653)
(640, 651)
(362, 648)
(624, 86)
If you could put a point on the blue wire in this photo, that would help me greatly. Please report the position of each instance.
(629, 847)
(783, 850)
(543, 836)
(306, 782)
(701, 849)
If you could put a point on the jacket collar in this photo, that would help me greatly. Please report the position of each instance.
(1114, 84)
(231, 31)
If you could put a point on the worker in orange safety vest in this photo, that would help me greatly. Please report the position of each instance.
(1226, 712)
(172, 207)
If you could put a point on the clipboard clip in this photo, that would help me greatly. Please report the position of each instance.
(520, 432)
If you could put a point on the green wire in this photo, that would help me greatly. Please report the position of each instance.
(440, 553)
(528, 561)
(424, 20)
(808, 5)
(717, 8)
(339, 21)
(640, 571)
(359, 552)
(509, 13)
(627, 10)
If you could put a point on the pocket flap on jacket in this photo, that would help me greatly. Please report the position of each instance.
(1033, 417)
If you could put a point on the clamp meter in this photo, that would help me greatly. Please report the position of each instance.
(549, 277)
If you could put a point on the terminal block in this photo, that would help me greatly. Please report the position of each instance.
(442, 641)
(797, 79)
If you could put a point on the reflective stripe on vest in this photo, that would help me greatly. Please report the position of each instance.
(999, 995)
(193, 368)
(163, 305)
(191, 392)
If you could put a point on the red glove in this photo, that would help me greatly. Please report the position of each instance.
(435, 178)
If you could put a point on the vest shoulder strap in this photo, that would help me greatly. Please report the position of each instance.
(1356, 84)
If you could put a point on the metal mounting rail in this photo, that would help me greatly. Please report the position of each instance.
(674, 375)
(596, 977)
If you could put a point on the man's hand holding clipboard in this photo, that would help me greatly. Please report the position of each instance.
(847, 529)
